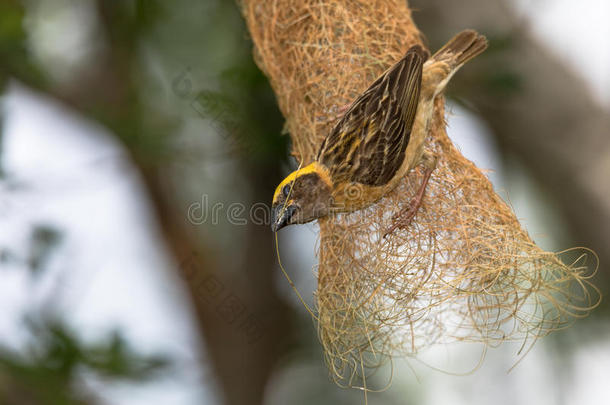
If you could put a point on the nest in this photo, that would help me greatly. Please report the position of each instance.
(464, 269)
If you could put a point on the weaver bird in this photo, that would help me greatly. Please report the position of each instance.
(378, 141)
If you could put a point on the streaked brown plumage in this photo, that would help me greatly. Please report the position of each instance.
(378, 140)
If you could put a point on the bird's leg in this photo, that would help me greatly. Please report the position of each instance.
(403, 218)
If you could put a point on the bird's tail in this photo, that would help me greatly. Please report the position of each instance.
(461, 48)
(439, 69)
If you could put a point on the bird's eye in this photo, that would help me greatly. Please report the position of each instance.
(286, 190)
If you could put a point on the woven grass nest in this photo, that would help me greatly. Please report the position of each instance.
(465, 269)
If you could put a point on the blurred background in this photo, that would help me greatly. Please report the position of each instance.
(139, 149)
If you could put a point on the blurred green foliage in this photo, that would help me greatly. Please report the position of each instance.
(500, 80)
(14, 53)
(12, 37)
(142, 43)
(244, 110)
(12, 50)
(50, 365)
(49, 369)
(44, 239)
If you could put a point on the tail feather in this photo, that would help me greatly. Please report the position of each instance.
(461, 48)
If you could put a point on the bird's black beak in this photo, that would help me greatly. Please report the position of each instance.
(280, 216)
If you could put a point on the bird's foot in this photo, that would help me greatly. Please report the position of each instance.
(404, 217)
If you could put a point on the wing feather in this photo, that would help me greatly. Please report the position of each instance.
(368, 144)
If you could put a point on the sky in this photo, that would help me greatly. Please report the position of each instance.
(67, 172)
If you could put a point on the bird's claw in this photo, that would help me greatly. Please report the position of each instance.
(403, 219)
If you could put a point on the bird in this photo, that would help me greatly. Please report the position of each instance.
(379, 139)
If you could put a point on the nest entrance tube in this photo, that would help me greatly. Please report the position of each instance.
(464, 269)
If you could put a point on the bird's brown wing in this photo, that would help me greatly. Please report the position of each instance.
(368, 144)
